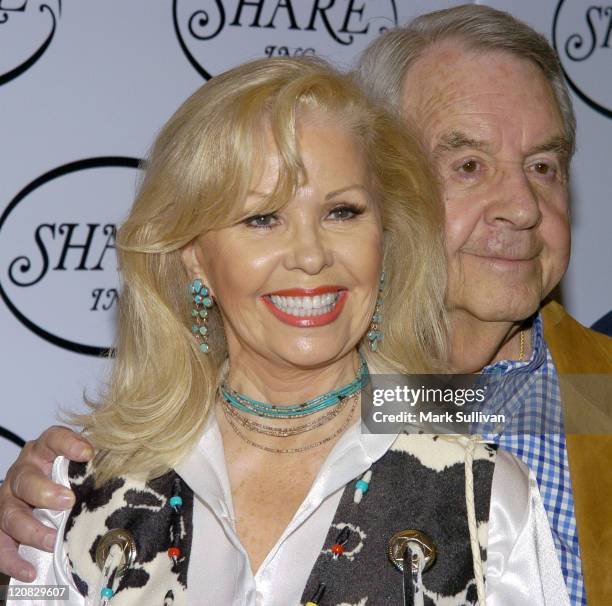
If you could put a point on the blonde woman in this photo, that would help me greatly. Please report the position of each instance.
(230, 466)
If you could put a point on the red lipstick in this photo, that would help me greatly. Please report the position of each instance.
(307, 321)
(307, 292)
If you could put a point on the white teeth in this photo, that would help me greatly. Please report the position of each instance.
(306, 306)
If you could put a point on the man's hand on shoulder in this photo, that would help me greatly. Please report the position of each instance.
(27, 485)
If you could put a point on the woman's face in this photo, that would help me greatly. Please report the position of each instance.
(299, 286)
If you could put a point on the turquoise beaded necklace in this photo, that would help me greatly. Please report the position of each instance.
(278, 411)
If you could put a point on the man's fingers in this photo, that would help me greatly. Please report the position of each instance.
(10, 562)
(17, 522)
(26, 480)
(61, 441)
(28, 484)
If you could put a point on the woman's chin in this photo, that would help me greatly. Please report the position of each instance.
(312, 353)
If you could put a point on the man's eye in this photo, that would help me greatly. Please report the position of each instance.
(261, 221)
(345, 212)
(544, 169)
(469, 167)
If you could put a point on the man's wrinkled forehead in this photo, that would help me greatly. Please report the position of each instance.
(433, 80)
(451, 91)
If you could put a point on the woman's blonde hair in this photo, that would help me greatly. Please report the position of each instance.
(197, 177)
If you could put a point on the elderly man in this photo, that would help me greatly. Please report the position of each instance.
(487, 93)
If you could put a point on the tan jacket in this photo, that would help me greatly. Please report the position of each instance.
(584, 363)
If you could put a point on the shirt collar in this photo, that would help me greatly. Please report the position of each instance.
(537, 358)
(205, 471)
(204, 467)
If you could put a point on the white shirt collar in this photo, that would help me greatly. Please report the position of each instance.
(205, 471)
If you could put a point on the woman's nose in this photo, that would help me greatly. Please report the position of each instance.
(309, 249)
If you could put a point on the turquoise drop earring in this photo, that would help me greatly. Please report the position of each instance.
(202, 302)
(375, 333)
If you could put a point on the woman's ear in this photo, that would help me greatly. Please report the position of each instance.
(192, 256)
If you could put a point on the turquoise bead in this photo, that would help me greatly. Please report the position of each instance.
(176, 501)
(362, 485)
(198, 299)
(373, 345)
(374, 334)
(203, 291)
(248, 405)
(196, 285)
(207, 302)
(377, 317)
(203, 330)
(204, 347)
(107, 592)
(195, 328)
(194, 313)
(203, 313)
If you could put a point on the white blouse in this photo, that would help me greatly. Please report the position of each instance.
(522, 568)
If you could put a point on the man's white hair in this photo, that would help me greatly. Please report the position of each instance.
(383, 65)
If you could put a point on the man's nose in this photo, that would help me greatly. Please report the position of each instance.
(514, 201)
(309, 249)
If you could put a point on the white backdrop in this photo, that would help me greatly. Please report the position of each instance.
(86, 84)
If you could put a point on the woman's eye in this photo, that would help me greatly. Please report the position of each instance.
(344, 212)
(261, 221)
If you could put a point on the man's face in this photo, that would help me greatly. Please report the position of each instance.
(493, 129)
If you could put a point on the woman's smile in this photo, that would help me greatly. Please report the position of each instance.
(307, 307)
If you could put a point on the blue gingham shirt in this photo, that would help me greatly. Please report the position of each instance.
(529, 397)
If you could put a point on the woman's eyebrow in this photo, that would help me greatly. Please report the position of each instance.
(336, 192)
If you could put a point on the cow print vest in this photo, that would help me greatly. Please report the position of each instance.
(418, 484)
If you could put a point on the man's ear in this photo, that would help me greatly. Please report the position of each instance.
(192, 257)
